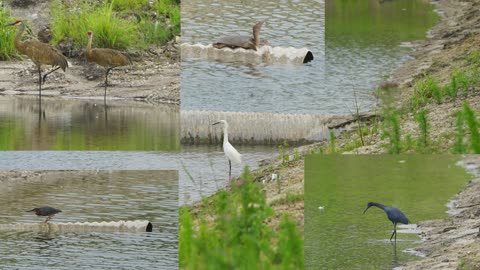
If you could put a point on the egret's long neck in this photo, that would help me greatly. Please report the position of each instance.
(225, 133)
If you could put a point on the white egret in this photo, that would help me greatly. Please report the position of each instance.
(231, 153)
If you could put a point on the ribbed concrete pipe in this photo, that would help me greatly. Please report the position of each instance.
(111, 226)
(264, 54)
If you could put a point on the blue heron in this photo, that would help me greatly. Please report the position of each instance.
(393, 214)
(45, 211)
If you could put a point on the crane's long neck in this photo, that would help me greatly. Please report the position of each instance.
(18, 38)
(89, 44)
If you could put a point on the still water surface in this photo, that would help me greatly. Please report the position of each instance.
(362, 45)
(93, 196)
(221, 86)
(75, 124)
(202, 169)
(340, 237)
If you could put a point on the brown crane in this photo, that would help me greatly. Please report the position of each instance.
(40, 53)
(105, 57)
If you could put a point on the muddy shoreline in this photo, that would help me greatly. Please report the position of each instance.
(155, 80)
(450, 243)
(153, 75)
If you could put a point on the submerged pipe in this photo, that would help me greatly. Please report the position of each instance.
(111, 226)
(264, 54)
(254, 127)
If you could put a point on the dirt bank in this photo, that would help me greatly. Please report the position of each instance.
(153, 76)
(451, 243)
(454, 243)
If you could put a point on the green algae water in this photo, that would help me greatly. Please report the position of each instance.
(365, 41)
(341, 237)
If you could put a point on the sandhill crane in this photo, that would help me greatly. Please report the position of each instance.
(105, 57)
(40, 53)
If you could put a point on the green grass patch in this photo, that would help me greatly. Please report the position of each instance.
(7, 35)
(109, 30)
(474, 58)
(422, 141)
(459, 146)
(424, 90)
(238, 236)
(117, 24)
(332, 141)
(290, 198)
(127, 5)
(391, 130)
(473, 124)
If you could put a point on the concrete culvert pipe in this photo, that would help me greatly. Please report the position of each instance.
(264, 54)
(110, 226)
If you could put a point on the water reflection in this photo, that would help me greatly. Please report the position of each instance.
(29, 123)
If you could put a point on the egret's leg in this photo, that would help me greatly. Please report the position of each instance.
(45, 76)
(229, 170)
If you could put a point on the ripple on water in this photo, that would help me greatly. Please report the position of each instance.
(94, 196)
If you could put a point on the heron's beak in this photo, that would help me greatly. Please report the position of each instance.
(30, 210)
(216, 123)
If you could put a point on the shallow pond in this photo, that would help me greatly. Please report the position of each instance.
(217, 86)
(340, 237)
(204, 169)
(362, 45)
(93, 196)
(79, 124)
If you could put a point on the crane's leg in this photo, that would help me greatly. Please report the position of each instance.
(229, 170)
(39, 82)
(106, 83)
(45, 75)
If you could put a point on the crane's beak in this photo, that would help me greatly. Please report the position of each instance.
(11, 24)
(366, 209)
(216, 123)
(30, 210)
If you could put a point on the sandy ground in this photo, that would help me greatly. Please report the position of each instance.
(156, 81)
(154, 75)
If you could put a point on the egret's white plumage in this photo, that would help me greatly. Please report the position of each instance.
(231, 153)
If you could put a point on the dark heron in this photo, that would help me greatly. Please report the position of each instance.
(393, 214)
(45, 211)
